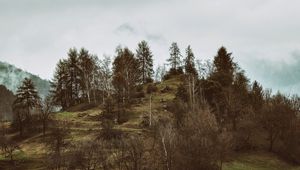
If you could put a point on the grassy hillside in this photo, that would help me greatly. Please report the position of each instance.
(85, 125)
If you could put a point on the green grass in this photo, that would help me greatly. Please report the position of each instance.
(65, 115)
(258, 161)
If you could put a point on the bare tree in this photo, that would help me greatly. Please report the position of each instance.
(131, 153)
(58, 144)
(88, 155)
(8, 147)
(47, 108)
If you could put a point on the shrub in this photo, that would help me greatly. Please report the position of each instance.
(151, 88)
(173, 72)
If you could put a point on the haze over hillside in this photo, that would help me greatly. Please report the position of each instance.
(11, 77)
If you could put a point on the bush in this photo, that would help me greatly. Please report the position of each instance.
(166, 89)
(145, 121)
(139, 88)
(151, 88)
(108, 132)
(173, 72)
(139, 94)
(124, 117)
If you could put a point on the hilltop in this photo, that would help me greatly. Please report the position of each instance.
(84, 121)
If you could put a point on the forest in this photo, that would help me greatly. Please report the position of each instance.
(124, 113)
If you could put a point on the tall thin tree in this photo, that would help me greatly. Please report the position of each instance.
(144, 57)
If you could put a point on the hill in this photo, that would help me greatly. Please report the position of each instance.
(11, 77)
(6, 100)
(85, 125)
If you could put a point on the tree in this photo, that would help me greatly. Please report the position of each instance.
(86, 66)
(160, 73)
(8, 147)
(144, 57)
(131, 153)
(105, 77)
(175, 57)
(223, 68)
(59, 87)
(256, 98)
(73, 77)
(125, 75)
(190, 62)
(58, 144)
(76, 79)
(125, 78)
(27, 99)
(46, 110)
(276, 118)
(238, 99)
(90, 155)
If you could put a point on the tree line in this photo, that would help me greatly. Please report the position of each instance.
(216, 111)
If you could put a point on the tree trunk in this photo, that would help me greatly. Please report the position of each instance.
(150, 116)
(234, 124)
(21, 129)
(44, 128)
(271, 144)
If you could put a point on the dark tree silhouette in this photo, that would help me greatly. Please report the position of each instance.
(189, 64)
(144, 56)
(175, 56)
(125, 77)
(223, 68)
(27, 99)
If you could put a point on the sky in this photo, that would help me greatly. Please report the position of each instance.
(263, 35)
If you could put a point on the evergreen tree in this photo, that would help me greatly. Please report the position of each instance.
(238, 99)
(27, 95)
(190, 62)
(73, 78)
(27, 99)
(223, 68)
(175, 57)
(59, 85)
(125, 78)
(76, 79)
(144, 56)
(256, 97)
(125, 75)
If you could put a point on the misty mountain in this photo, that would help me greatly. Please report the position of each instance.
(11, 77)
(6, 100)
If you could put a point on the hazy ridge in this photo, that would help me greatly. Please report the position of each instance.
(11, 77)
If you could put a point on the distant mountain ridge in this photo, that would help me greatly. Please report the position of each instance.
(6, 100)
(11, 77)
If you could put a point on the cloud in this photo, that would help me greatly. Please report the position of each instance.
(35, 34)
(126, 28)
(282, 75)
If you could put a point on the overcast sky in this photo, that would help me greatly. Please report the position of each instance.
(263, 35)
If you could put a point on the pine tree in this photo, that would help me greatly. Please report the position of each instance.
(125, 72)
(28, 95)
(73, 78)
(175, 57)
(59, 89)
(238, 99)
(223, 68)
(27, 99)
(125, 78)
(256, 97)
(144, 57)
(190, 62)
